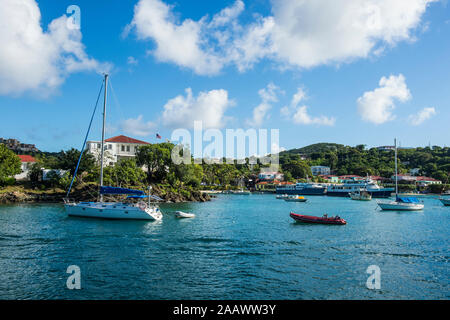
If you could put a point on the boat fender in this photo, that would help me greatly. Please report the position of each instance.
(142, 205)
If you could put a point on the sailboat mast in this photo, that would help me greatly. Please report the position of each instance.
(396, 170)
(103, 135)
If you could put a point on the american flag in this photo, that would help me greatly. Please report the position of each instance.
(158, 136)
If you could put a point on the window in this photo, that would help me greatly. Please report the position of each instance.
(123, 148)
(128, 148)
(98, 145)
(110, 146)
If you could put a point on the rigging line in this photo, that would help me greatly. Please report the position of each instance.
(85, 139)
(117, 104)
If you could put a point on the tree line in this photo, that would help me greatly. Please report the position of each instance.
(294, 164)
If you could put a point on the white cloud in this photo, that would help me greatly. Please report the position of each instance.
(268, 95)
(138, 127)
(208, 107)
(421, 116)
(311, 33)
(34, 60)
(299, 114)
(376, 106)
(301, 34)
(180, 43)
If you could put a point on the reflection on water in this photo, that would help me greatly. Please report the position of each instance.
(237, 247)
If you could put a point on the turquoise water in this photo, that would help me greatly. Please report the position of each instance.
(238, 247)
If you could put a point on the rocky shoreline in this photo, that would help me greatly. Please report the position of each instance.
(22, 195)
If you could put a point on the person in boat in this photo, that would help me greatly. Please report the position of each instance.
(325, 216)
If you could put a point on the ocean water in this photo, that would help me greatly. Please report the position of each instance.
(238, 247)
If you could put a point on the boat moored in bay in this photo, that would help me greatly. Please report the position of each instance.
(320, 220)
(305, 189)
(295, 199)
(360, 195)
(354, 185)
(400, 203)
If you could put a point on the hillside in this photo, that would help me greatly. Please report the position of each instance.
(317, 147)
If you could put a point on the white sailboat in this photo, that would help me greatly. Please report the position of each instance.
(112, 210)
(401, 203)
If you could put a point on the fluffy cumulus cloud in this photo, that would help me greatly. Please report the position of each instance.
(268, 96)
(421, 116)
(298, 33)
(35, 60)
(208, 107)
(299, 114)
(137, 126)
(377, 106)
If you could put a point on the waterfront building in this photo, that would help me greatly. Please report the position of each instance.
(116, 148)
(320, 170)
(420, 180)
(27, 161)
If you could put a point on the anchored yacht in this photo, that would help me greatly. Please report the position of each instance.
(111, 210)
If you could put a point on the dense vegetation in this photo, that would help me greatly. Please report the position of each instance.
(9, 164)
(343, 160)
(295, 164)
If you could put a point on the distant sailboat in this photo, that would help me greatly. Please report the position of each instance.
(400, 203)
(112, 210)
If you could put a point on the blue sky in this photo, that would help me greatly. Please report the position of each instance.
(317, 53)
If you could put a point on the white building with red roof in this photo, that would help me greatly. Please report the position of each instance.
(116, 148)
(27, 161)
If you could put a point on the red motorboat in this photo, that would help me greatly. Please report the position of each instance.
(323, 220)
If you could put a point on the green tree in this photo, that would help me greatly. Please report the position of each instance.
(297, 169)
(10, 164)
(67, 160)
(126, 173)
(157, 159)
(35, 172)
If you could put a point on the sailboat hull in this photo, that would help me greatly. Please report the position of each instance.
(397, 206)
(114, 211)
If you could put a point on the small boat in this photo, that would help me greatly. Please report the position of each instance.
(282, 196)
(181, 214)
(241, 192)
(322, 220)
(360, 195)
(295, 199)
(445, 202)
(400, 203)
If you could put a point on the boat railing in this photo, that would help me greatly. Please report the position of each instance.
(69, 201)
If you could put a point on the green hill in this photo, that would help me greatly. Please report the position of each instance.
(317, 147)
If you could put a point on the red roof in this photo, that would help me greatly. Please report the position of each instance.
(26, 158)
(422, 178)
(125, 139)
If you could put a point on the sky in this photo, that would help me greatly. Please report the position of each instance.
(342, 71)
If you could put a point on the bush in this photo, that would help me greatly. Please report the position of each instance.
(438, 188)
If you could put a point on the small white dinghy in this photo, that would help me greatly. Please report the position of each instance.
(181, 214)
